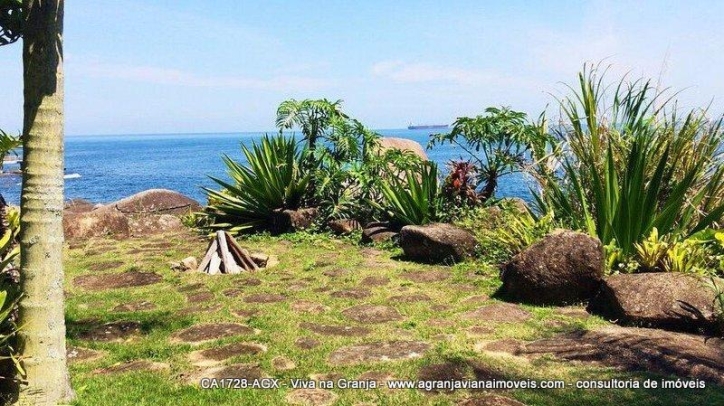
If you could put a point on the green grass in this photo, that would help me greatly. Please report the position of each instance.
(304, 257)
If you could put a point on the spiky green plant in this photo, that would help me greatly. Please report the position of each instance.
(413, 198)
(272, 179)
(8, 145)
(629, 167)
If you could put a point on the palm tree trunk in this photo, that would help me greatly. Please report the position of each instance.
(41, 205)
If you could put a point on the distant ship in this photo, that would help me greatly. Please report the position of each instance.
(426, 127)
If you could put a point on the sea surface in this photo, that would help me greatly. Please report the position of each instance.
(106, 168)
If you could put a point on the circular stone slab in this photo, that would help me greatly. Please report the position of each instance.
(117, 280)
(335, 273)
(200, 308)
(199, 297)
(377, 352)
(351, 294)
(202, 333)
(372, 314)
(264, 298)
(233, 292)
(133, 366)
(113, 331)
(235, 371)
(249, 282)
(375, 281)
(79, 354)
(311, 397)
(489, 399)
(245, 313)
(138, 306)
(411, 298)
(307, 306)
(306, 343)
(343, 331)
(446, 371)
(216, 355)
(283, 364)
(499, 312)
(425, 276)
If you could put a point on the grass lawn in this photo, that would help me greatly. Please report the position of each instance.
(298, 320)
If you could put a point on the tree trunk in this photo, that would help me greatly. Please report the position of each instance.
(42, 316)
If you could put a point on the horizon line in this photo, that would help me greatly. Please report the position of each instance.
(195, 133)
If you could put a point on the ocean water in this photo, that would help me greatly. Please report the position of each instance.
(103, 169)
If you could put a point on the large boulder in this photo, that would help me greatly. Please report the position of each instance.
(100, 222)
(344, 226)
(78, 206)
(150, 224)
(671, 301)
(378, 232)
(402, 144)
(565, 267)
(151, 212)
(437, 242)
(289, 221)
(156, 201)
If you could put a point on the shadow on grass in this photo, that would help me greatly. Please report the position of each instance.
(112, 329)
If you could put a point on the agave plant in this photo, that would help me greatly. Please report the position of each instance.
(630, 167)
(413, 198)
(273, 179)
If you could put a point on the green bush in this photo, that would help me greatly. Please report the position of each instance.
(633, 165)
(9, 285)
(273, 179)
(500, 142)
(413, 198)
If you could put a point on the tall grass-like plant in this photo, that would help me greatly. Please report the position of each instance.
(8, 145)
(414, 198)
(634, 165)
(273, 179)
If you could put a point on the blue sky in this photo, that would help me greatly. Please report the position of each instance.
(137, 66)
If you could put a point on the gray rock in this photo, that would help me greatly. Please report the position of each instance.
(437, 242)
(378, 232)
(671, 301)
(563, 268)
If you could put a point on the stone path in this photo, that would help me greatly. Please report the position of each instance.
(378, 352)
(118, 280)
(202, 333)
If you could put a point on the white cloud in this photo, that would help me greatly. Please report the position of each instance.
(177, 77)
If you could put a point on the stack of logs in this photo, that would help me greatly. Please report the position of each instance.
(225, 256)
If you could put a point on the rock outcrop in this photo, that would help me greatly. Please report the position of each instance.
(437, 242)
(671, 301)
(563, 268)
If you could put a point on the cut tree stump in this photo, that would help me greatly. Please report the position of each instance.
(225, 256)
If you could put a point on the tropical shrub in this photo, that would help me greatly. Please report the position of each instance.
(274, 178)
(500, 143)
(633, 165)
(412, 199)
(8, 145)
(503, 230)
(9, 286)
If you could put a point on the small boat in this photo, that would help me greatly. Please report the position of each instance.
(72, 176)
(427, 127)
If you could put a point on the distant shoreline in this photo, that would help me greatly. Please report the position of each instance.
(199, 133)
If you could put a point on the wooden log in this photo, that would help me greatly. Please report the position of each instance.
(214, 264)
(241, 254)
(230, 263)
(207, 258)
